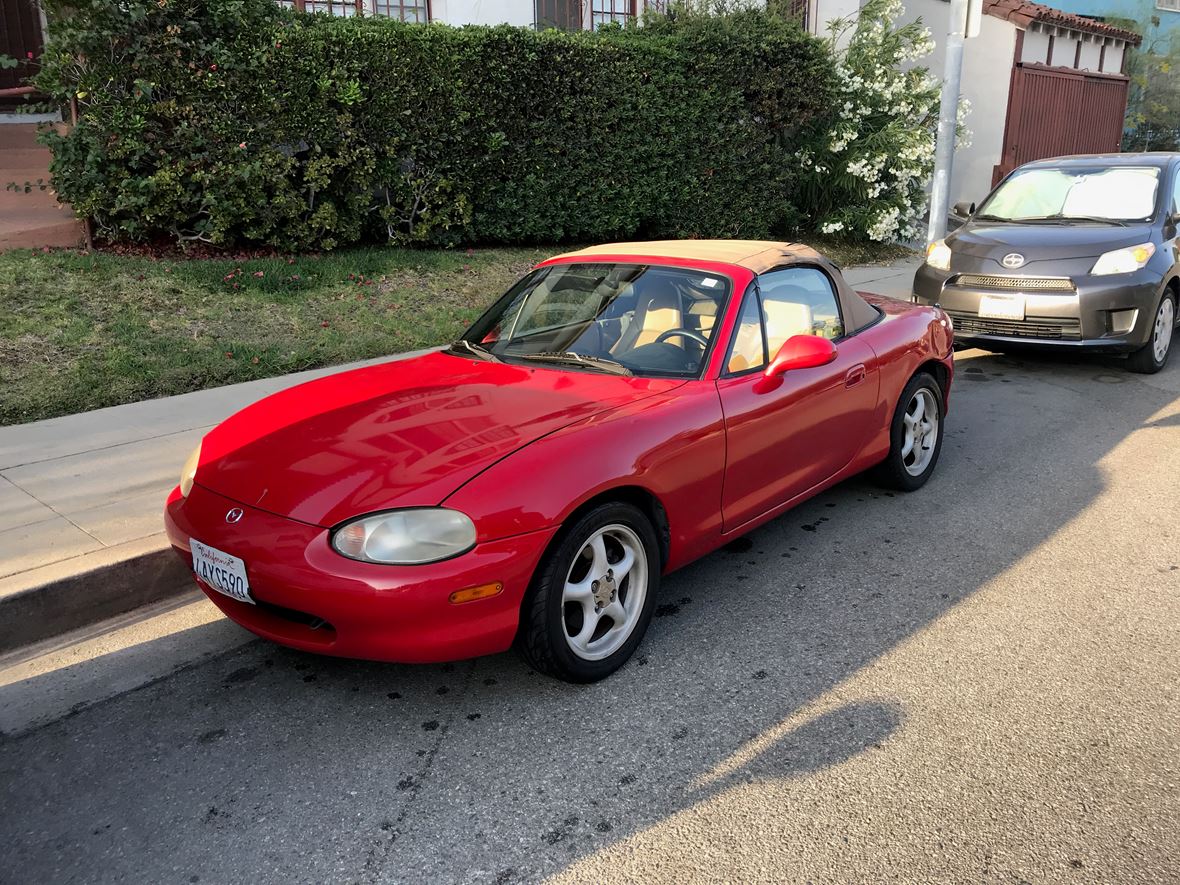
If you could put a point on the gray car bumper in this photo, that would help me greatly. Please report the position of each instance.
(1110, 313)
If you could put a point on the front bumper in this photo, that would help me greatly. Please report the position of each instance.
(313, 599)
(1093, 316)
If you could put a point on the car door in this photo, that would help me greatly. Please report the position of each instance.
(788, 434)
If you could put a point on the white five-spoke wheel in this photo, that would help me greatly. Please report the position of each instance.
(915, 436)
(592, 596)
(604, 592)
(1153, 355)
(1161, 334)
(920, 422)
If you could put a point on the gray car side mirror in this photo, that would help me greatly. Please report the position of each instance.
(963, 209)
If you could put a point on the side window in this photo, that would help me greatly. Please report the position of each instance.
(1176, 192)
(749, 350)
(799, 301)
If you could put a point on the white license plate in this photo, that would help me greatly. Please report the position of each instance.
(1001, 307)
(224, 573)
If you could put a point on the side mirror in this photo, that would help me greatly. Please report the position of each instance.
(801, 352)
(963, 209)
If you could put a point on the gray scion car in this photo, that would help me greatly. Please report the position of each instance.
(1074, 252)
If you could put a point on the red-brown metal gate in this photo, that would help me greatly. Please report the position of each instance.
(20, 34)
(1056, 111)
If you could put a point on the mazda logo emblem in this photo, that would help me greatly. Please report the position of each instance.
(1012, 260)
(234, 515)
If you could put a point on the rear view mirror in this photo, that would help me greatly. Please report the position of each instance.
(801, 352)
(963, 209)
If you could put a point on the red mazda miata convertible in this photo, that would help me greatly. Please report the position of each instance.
(619, 412)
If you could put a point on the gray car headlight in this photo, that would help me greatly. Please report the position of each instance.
(938, 255)
(406, 537)
(1127, 260)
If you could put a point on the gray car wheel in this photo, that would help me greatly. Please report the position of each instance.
(1153, 355)
(915, 435)
(592, 596)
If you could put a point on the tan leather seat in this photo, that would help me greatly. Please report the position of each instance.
(660, 312)
(747, 348)
(787, 314)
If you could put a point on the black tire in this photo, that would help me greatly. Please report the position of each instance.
(1143, 361)
(542, 638)
(893, 471)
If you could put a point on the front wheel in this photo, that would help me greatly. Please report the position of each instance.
(1153, 355)
(592, 596)
(915, 435)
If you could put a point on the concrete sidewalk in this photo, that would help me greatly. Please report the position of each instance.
(81, 496)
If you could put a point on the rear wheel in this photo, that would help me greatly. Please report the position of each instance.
(915, 435)
(592, 596)
(1153, 355)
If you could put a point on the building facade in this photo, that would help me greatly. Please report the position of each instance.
(568, 15)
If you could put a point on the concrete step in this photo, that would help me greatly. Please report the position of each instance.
(67, 233)
(15, 203)
(16, 136)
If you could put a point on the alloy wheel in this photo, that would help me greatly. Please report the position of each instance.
(604, 592)
(920, 424)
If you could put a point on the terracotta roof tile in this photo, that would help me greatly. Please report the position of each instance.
(1023, 12)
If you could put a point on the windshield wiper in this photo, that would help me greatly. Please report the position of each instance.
(579, 359)
(986, 217)
(1057, 216)
(462, 345)
(1097, 219)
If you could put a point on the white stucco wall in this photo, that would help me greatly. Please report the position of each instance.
(483, 12)
(1091, 52)
(1113, 63)
(987, 66)
(1036, 47)
(821, 13)
(1065, 51)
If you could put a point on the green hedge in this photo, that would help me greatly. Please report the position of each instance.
(236, 122)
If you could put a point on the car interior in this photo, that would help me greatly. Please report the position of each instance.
(654, 320)
(650, 320)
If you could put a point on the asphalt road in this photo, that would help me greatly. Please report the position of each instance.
(978, 682)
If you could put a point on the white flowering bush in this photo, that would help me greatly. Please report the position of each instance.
(866, 175)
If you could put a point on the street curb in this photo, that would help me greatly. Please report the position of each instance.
(79, 600)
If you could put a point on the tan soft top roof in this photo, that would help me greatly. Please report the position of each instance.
(756, 255)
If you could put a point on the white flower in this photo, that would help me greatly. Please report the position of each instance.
(832, 227)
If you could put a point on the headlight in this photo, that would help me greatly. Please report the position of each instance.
(189, 472)
(1126, 260)
(938, 255)
(406, 537)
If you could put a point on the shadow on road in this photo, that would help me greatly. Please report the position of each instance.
(269, 765)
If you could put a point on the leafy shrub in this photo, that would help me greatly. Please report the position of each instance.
(236, 122)
(866, 174)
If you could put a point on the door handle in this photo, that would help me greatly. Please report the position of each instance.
(855, 375)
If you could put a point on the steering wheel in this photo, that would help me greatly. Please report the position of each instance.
(683, 333)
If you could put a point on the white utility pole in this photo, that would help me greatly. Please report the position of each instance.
(965, 21)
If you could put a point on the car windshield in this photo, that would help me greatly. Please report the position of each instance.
(1114, 194)
(627, 319)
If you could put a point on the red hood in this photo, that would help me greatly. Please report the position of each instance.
(399, 434)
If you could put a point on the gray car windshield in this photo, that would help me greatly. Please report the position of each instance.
(1071, 193)
(625, 319)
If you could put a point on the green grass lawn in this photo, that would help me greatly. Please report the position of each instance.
(79, 331)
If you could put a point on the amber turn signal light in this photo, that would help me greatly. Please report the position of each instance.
(483, 591)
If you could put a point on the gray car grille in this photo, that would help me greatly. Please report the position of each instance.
(1050, 328)
(1014, 284)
